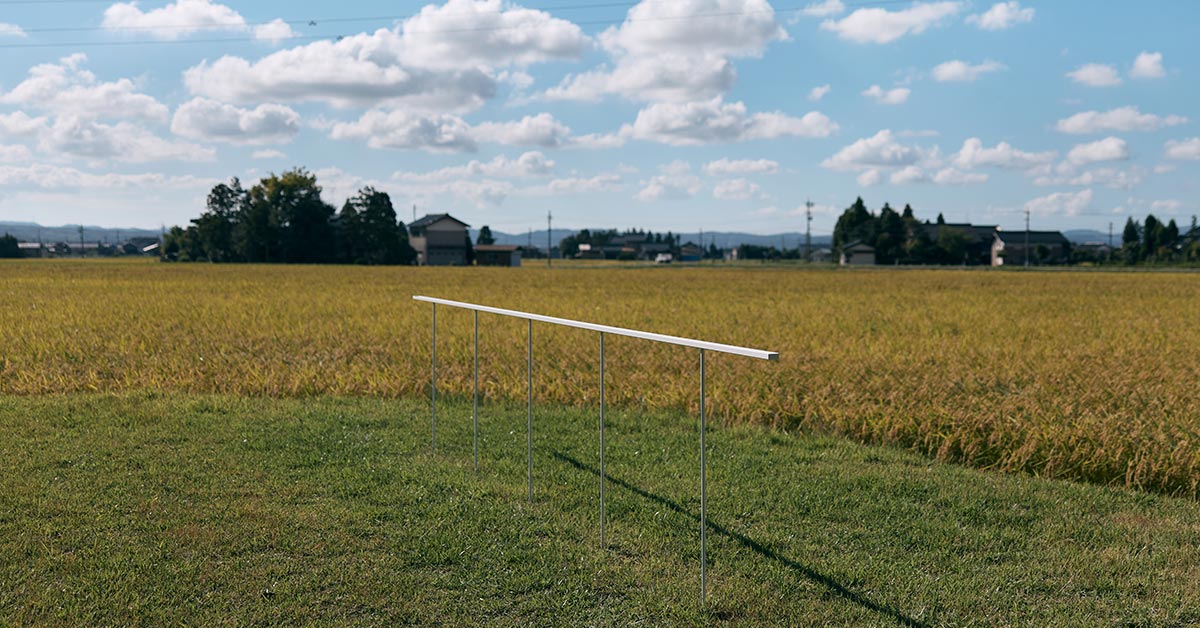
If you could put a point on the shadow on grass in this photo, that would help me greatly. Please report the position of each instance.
(834, 586)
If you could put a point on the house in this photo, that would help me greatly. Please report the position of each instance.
(440, 240)
(822, 256)
(1045, 247)
(31, 249)
(690, 253)
(978, 239)
(857, 253)
(497, 255)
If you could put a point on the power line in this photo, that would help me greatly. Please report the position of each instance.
(317, 22)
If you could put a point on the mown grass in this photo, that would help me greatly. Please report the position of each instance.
(173, 509)
(1083, 375)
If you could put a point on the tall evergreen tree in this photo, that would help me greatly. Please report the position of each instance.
(1131, 239)
(485, 236)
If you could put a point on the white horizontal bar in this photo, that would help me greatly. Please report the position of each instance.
(620, 331)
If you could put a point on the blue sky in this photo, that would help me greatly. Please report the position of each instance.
(664, 114)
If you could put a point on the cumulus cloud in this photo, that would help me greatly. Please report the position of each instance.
(1061, 203)
(726, 167)
(870, 177)
(824, 9)
(964, 72)
(11, 30)
(274, 31)
(879, 150)
(269, 153)
(53, 177)
(908, 174)
(953, 176)
(21, 124)
(1107, 149)
(1095, 75)
(15, 153)
(177, 19)
(1108, 177)
(1123, 119)
(1148, 65)
(88, 139)
(405, 130)
(1183, 149)
(675, 51)
(974, 154)
(203, 119)
(539, 130)
(894, 96)
(529, 164)
(675, 182)
(1001, 16)
(736, 190)
(880, 26)
(65, 88)
(713, 121)
(422, 64)
(818, 92)
(604, 182)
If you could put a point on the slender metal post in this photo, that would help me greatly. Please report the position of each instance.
(703, 493)
(531, 412)
(475, 410)
(433, 388)
(602, 543)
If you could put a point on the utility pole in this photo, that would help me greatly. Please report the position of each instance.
(1027, 238)
(808, 205)
(549, 231)
(81, 252)
(1110, 234)
(414, 213)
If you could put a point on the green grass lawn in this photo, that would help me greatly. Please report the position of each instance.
(154, 510)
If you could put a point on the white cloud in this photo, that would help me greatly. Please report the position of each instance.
(713, 121)
(84, 138)
(730, 28)
(529, 164)
(909, 174)
(1148, 65)
(21, 124)
(1119, 119)
(1107, 149)
(962, 71)
(824, 9)
(676, 182)
(880, 26)
(736, 190)
(174, 20)
(274, 31)
(1183, 149)
(15, 153)
(1168, 205)
(65, 88)
(953, 176)
(818, 92)
(11, 30)
(269, 153)
(1095, 75)
(540, 130)
(1002, 15)
(879, 150)
(894, 96)
(726, 167)
(667, 77)
(1108, 177)
(604, 182)
(58, 178)
(204, 119)
(1061, 203)
(401, 129)
(870, 177)
(974, 154)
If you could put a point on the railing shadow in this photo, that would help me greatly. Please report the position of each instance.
(834, 586)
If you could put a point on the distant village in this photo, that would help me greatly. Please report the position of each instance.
(283, 219)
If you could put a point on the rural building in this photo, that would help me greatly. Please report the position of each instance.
(690, 253)
(440, 240)
(858, 253)
(978, 239)
(1045, 247)
(823, 256)
(497, 255)
(31, 249)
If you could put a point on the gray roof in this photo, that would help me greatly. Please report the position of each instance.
(429, 219)
(1035, 237)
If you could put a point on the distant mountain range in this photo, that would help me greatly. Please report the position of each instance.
(32, 232)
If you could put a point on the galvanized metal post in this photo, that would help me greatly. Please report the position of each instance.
(703, 494)
(531, 411)
(602, 543)
(433, 387)
(475, 410)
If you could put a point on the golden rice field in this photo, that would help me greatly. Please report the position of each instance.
(1082, 375)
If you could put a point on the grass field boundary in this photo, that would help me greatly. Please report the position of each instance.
(702, 345)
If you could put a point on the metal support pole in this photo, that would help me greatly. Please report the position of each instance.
(602, 542)
(530, 430)
(475, 410)
(703, 493)
(433, 388)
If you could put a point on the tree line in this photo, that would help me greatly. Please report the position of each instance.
(1155, 242)
(283, 218)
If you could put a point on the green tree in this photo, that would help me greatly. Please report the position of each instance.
(298, 221)
(485, 236)
(215, 227)
(855, 223)
(369, 232)
(1152, 237)
(890, 236)
(9, 247)
(1131, 239)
